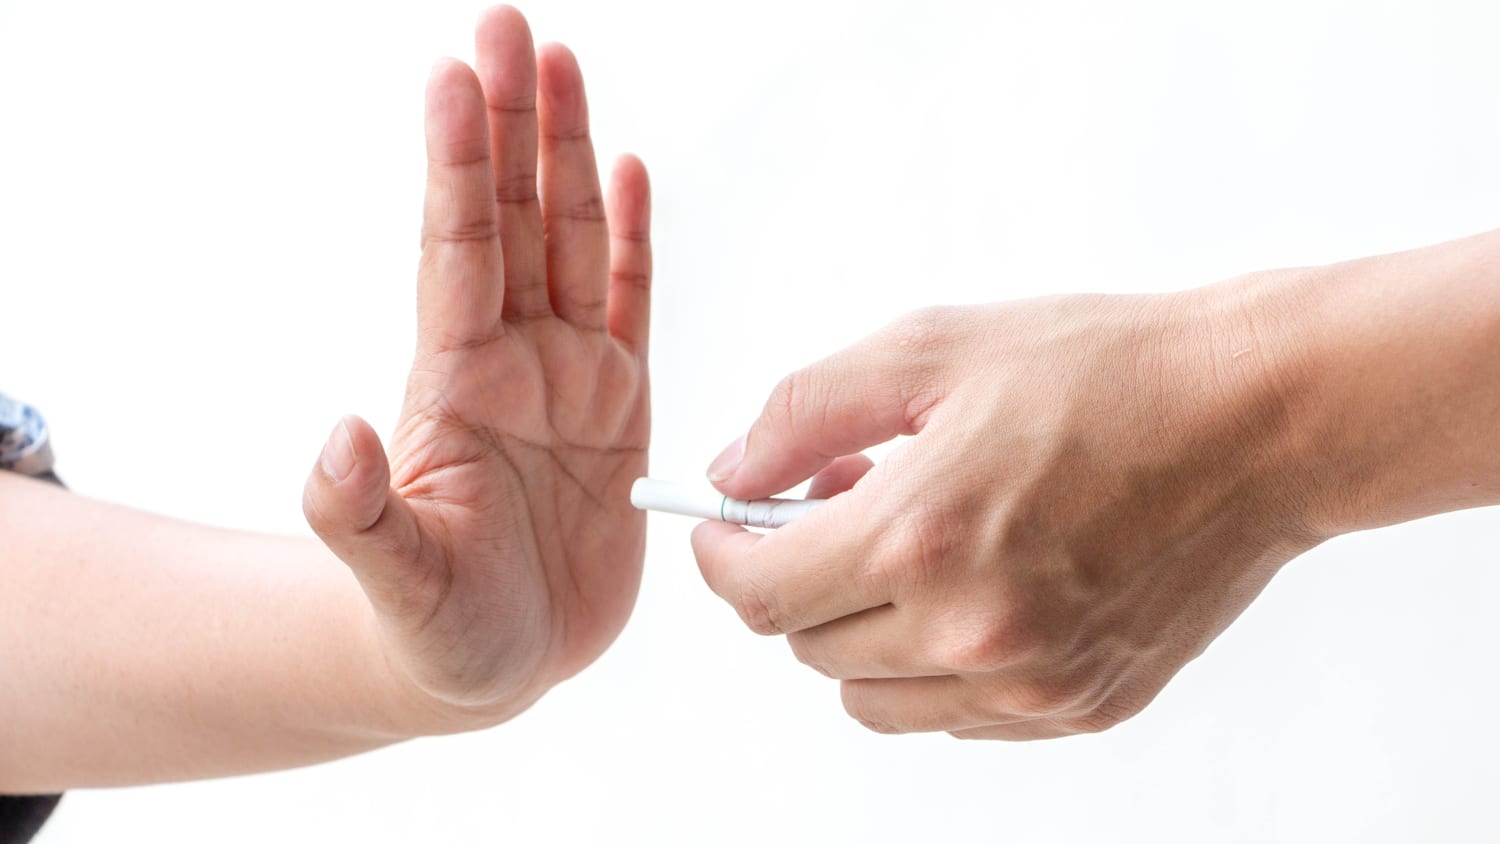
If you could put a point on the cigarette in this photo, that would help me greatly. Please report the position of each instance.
(687, 500)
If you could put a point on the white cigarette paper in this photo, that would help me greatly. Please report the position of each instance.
(687, 500)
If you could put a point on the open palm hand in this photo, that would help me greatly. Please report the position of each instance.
(497, 545)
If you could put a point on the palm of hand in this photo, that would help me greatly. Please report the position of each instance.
(517, 457)
(498, 547)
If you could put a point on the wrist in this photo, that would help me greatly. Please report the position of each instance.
(1248, 341)
(403, 709)
(368, 691)
(1382, 386)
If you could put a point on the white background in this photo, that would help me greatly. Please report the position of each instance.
(208, 231)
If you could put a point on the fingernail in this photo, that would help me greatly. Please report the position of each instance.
(339, 455)
(727, 461)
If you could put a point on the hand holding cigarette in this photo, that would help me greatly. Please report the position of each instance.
(1096, 486)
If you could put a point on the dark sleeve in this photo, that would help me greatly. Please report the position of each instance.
(24, 447)
(21, 817)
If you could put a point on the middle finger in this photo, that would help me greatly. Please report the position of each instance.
(505, 61)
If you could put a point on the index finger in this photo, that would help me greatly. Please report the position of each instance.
(882, 387)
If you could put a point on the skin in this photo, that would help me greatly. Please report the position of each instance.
(1095, 487)
(493, 553)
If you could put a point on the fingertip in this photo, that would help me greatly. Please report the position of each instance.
(504, 54)
(457, 131)
(629, 208)
(759, 471)
(366, 442)
(556, 54)
(353, 457)
(500, 17)
(450, 82)
(445, 69)
(450, 88)
(627, 183)
(629, 167)
(350, 478)
(630, 190)
(558, 75)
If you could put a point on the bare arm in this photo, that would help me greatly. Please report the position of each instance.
(488, 554)
(1395, 396)
(138, 649)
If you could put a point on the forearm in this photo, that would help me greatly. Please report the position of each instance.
(1390, 383)
(138, 649)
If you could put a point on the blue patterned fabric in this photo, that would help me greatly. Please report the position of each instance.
(24, 447)
(24, 444)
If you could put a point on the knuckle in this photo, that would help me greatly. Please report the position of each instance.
(979, 653)
(918, 331)
(585, 309)
(890, 569)
(758, 610)
(463, 229)
(1094, 723)
(401, 545)
(353, 517)
(804, 652)
(1047, 696)
(1106, 715)
(631, 279)
(857, 705)
(522, 104)
(588, 210)
(515, 189)
(632, 236)
(987, 645)
(879, 727)
(798, 402)
(781, 405)
(914, 551)
(926, 546)
(914, 348)
(569, 134)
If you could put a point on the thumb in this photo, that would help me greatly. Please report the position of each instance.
(349, 503)
(880, 388)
